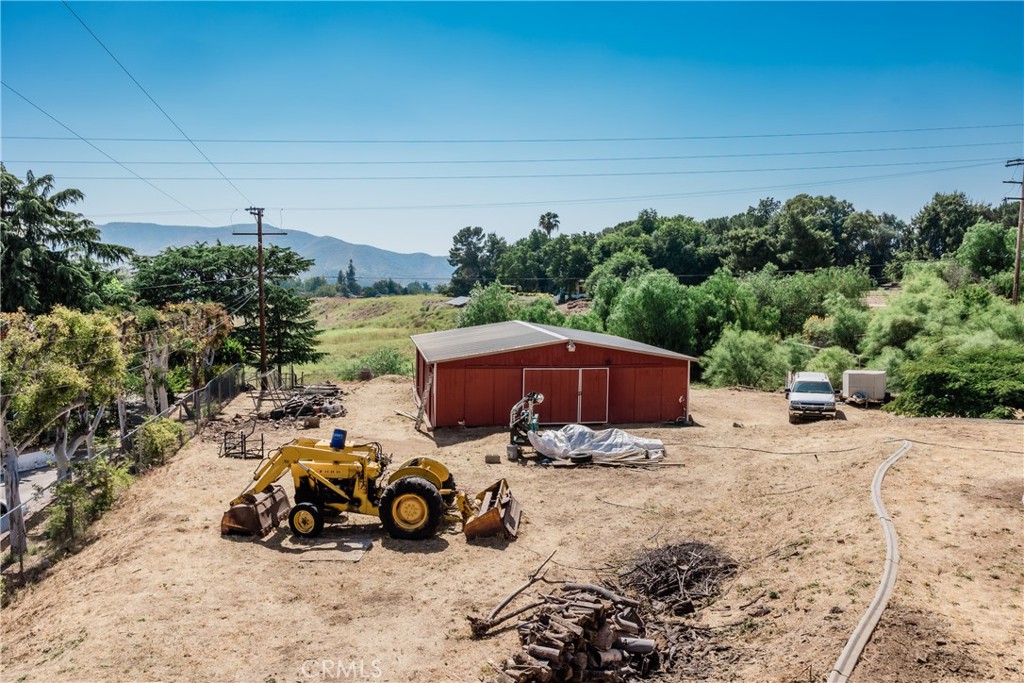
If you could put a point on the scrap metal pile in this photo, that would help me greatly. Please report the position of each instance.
(311, 400)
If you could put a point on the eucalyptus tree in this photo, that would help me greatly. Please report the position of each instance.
(51, 365)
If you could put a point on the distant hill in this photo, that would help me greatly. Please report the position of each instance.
(330, 253)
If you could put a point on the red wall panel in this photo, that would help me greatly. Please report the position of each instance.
(593, 395)
(647, 395)
(481, 391)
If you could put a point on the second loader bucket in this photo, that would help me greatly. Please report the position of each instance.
(499, 513)
(256, 513)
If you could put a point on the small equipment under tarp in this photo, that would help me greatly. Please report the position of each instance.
(578, 444)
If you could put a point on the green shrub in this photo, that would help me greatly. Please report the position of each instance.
(796, 353)
(977, 382)
(745, 358)
(84, 497)
(156, 440)
(818, 331)
(382, 361)
(491, 304)
(588, 321)
(833, 361)
(542, 312)
(69, 505)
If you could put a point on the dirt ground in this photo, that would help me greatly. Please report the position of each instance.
(161, 596)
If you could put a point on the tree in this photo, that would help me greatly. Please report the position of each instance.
(522, 265)
(974, 382)
(939, 227)
(49, 255)
(490, 304)
(548, 223)
(43, 381)
(647, 221)
(475, 257)
(568, 262)
(678, 245)
(869, 240)
(93, 344)
(351, 284)
(987, 249)
(654, 308)
(605, 282)
(226, 274)
(200, 329)
(745, 358)
(719, 302)
(747, 241)
(833, 361)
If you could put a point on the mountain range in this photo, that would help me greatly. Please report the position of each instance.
(330, 253)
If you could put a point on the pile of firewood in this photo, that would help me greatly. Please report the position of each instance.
(585, 632)
(581, 633)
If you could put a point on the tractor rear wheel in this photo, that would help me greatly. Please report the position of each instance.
(411, 508)
(306, 520)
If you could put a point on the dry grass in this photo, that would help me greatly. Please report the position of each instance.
(161, 596)
(353, 328)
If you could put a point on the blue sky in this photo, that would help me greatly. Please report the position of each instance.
(407, 85)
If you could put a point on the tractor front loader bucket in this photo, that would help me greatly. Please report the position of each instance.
(256, 513)
(498, 514)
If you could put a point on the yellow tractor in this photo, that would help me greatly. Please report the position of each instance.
(331, 479)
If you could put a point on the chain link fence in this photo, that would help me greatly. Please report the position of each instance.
(190, 412)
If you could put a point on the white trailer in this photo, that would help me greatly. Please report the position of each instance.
(861, 387)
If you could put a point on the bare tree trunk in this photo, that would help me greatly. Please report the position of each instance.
(122, 423)
(60, 447)
(148, 361)
(91, 427)
(161, 389)
(16, 515)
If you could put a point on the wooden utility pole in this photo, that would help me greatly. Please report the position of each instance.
(1020, 232)
(258, 213)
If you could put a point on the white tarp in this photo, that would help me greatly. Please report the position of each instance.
(608, 446)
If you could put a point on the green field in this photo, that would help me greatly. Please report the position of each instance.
(354, 328)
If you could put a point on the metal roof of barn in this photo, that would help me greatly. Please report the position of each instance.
(485, 340)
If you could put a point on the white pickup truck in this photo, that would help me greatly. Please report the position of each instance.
(811, 396)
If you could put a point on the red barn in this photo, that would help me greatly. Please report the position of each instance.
(474, 375)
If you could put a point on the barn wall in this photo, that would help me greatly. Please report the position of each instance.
(481, 391)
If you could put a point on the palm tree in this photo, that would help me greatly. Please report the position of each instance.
(548, 223)
(48, 254)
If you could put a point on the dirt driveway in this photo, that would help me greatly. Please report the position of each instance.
(161, 596)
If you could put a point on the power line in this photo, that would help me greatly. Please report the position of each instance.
(612, 174)
(91, 144)
(665, 138)
(422, 162)
(150, 97)
(603, 200)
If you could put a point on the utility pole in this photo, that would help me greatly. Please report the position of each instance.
(1020, 232)
(258, 213)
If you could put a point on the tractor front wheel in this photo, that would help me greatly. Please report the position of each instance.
(306, 520)
(411, 508)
